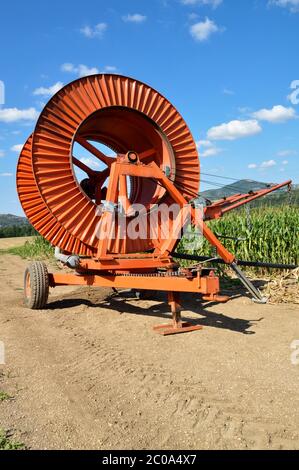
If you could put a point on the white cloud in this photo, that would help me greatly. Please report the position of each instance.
(204, 143)
(292, 5)
(6, 174)
(15, 114)
(285, 162)
(202, 30)
(41, 104)
(96, 31)
(244, 110)
(84, 70)
(90, 162)
(81, 70)
(268, 164)
(227, 91)
(193, 16)
(277, 114)
(211, 152)
(109, 69)
(2, 92)
(2, 153)
(52, 90)
(68, 67)
(209, 149)
(262, 166)
(286, 153)
(234, 130)
(16, 148)
(135, 18)
(212, 3)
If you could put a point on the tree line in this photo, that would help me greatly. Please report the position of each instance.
(10, 231)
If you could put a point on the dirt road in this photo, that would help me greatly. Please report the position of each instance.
(89, 372)
(6, 243)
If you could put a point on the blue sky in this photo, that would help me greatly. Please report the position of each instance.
(227, 65)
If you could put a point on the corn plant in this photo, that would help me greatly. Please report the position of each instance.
(272, 235)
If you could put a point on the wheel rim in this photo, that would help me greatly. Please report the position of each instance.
(27, 286)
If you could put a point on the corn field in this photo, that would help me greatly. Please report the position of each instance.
(270, 234)
(37, 248)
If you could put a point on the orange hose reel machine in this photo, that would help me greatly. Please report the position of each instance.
(156, 162)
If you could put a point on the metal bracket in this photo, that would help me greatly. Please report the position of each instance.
(257, 296)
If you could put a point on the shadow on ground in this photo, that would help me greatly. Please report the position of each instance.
(120, 302)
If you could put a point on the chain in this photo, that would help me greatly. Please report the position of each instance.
(168, 274)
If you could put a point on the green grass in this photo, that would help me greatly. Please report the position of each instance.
(4, 396)
(6, 443)
(272, 238)
(38, 248)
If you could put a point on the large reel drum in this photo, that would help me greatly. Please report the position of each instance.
(124, 115)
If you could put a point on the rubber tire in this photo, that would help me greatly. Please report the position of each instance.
(39, 285)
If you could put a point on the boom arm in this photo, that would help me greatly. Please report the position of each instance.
(221, 207)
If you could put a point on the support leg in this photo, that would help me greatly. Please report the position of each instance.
(257, 296)
(177, 326)
(174, 302)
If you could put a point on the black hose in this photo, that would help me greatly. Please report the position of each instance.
(253, 264)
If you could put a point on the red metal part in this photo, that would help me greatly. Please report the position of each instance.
(199, 285)
(38, 212)
(206, 286)
(177, 326)
(168, 328)
(221, 207)
(125, 115)
(106, 268)
(156, 163)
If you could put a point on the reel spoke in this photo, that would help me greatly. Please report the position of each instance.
(96, 152)
(83, 167)
(147, 156)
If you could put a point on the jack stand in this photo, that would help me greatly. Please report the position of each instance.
(177, 326)
(257, 296)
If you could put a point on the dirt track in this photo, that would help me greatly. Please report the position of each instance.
(6, 243)
(90, 373)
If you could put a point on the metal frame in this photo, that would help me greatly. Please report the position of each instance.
(139, 271)
(221, 207)
(59, 210)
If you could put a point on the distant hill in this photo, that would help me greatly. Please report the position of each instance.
(7, 220)
(244, 186)
(241, 186)
(15, 226)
